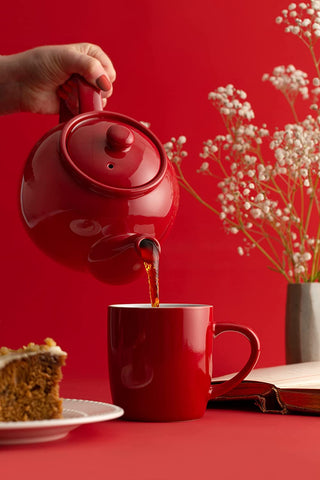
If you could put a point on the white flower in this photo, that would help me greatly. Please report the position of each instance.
(259, 197)
(256, 212)
(306, 22)
(288, 79)
(204, 167)
(296, 257)
(306, 256)
(299, 269)
(181, 140)
(315, 4)
(266, 209)
(240, 251)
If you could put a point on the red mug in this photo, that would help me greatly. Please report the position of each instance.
(160, 360)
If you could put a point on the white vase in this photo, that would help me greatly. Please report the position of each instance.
(303, 322)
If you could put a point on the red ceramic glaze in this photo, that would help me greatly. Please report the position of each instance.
(94, 186)
(160, 360)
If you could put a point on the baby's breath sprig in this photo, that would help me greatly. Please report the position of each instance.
(274, 204)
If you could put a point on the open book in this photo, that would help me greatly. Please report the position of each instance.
(283, 389)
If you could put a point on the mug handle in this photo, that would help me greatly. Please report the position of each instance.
(221, 388)
(81, 98)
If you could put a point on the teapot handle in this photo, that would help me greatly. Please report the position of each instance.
(81, 97)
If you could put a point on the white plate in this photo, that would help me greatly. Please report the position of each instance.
(75, 413)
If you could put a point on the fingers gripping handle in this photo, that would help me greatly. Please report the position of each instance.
(78, 96)
(220, 389)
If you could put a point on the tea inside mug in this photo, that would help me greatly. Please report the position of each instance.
(162, 305)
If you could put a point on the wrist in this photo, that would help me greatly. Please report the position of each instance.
(10, 84)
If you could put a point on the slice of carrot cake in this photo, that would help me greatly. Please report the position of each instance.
(29, 382)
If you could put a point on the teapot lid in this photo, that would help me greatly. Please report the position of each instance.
(112, 153)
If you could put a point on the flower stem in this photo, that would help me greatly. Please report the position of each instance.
(314, 59)
(185, 184)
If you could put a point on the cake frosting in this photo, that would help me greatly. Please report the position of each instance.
(8, 355)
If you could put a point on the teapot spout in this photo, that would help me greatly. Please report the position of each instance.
(120, 259)
(149, 249)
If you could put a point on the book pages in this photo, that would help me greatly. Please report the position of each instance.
(299, 375)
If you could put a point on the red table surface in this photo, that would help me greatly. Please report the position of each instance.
(224, 444)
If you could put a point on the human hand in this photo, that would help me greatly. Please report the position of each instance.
(30, 80)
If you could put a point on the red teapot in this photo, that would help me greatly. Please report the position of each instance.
(95, 187)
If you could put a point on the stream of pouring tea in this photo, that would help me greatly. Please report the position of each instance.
(150, 255)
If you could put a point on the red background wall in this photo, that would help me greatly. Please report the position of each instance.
(168, 56)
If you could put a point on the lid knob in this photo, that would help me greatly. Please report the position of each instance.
(119, 138)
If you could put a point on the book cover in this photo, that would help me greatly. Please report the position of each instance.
(283, 389)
